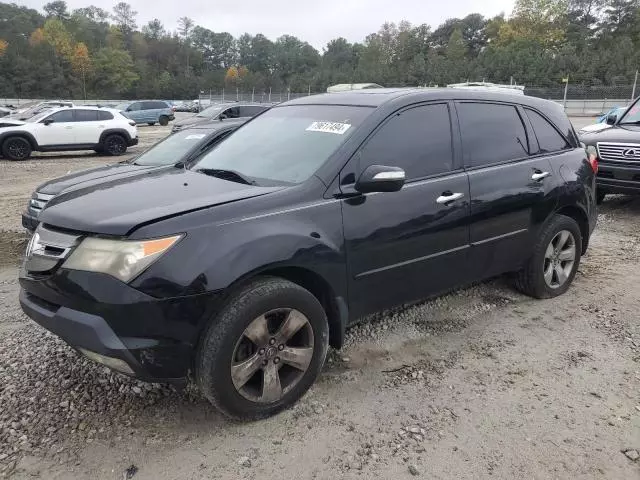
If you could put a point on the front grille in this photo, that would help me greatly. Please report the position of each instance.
(39, 201)
(619, 152)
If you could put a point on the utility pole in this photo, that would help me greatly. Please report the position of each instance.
(633, 92)
(269, 94)
(566, 87)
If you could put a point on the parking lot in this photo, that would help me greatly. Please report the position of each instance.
(481, 383)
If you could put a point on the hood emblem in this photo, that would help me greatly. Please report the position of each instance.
(631, 152)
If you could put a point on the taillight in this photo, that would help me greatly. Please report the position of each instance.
(593, 161)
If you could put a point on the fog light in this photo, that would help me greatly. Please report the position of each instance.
(113, 363)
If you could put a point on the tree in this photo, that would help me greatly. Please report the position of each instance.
(93, 13)
(56, 35)
(232, 75)
(185, 25)
(125, 18)
(81, 63)
(3, 47)
(154, 29)
(57, 9)
(114, 72)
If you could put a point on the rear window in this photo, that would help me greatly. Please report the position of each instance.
(549, 139)
(286, 144)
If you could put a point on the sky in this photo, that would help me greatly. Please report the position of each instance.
(316, 22)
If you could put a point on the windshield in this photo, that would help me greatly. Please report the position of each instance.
(632, 115)
(286, 144)
(122, 106)
(211, 111)
(173, 149)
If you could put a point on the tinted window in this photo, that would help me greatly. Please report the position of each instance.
(417, 140)
(160, 105)
(233, 112)
(251, 111)
(86, 115)
(105, 115)
(286, 144)
(491, 133)
(548, 137)
(62, 116)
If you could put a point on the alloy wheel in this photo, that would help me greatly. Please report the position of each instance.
(115, 146)
(272, 355)
(559, 259)
(17, 149)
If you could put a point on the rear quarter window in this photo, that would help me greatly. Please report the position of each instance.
(549, 139)
(105, 116)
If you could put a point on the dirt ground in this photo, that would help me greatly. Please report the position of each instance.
(481, 383)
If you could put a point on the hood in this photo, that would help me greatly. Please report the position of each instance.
(617, 133)
(596, 127)
(191, 121)
(119, 206)
(10, 121)
(88, 177)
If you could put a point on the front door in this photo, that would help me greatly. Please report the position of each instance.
(512, 188)
(403, 246)
(59, 132)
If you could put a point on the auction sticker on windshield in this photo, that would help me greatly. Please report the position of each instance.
(329, 127)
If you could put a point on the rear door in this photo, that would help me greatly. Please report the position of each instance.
(512, 188)
(87, 126)
(406, 245)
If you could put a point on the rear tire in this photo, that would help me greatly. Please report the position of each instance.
(555, 259)
(16, 148)
(114, 145)
(151, 124)
(163, 120)
(238, 364)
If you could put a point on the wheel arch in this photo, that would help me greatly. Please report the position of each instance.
(577, 214)
(28, 136)
(116, 131)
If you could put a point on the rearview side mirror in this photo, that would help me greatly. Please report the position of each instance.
(48, 121)
(612, 118)
(380, 178)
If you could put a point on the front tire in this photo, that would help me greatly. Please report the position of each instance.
(555, 259)
(163, 120)
(114, 145)
(16, 148)
(263, 350)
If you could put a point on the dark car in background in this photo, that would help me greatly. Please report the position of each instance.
(223, 111)
(243, 269)
(180, 149)
(618, 150)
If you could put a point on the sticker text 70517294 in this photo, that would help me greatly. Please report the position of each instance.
(329, 127)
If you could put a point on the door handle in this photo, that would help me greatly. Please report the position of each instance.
(537, 176)
(447, 197)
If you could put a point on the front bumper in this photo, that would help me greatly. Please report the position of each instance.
(155, 338)
(29, 221)
(614, 178)
(133, 141)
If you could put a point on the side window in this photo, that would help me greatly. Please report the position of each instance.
(105, 115)
(233, 112)
(135, 107)
(86, 115)
(548, 137)
(417, 140)
(160, 105)
(148, 105)
(61, 116)
(491, 133)
(251, 110)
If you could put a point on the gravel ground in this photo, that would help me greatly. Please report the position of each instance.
(481, 383)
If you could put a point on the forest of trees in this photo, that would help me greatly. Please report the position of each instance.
(93, 53)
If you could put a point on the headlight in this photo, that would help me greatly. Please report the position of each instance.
(123, 259)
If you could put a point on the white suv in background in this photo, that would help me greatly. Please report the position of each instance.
(104, 130)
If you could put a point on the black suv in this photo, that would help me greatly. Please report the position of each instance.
(244, 269)
(618, 150)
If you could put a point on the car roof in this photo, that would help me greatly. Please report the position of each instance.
(376, 97)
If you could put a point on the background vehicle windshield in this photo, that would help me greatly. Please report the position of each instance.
(286, 144)
(172, 150)
(211, 111)
(632, 115)
(36, 118)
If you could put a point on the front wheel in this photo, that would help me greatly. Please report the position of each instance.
(115, 145)
(263, 350)
(163, 120)
(16, 148)
(555, 259)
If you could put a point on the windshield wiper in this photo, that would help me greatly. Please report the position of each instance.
(230, 175)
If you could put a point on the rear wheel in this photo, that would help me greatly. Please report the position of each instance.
(555, 260)
(151, 124)
(163, 120)
(114, 145)
(16, 148)
(263, 350)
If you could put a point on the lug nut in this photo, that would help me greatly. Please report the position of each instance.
(280, 347)
(264, 363)
(261, 351)
(276, 360)
(272, 341)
